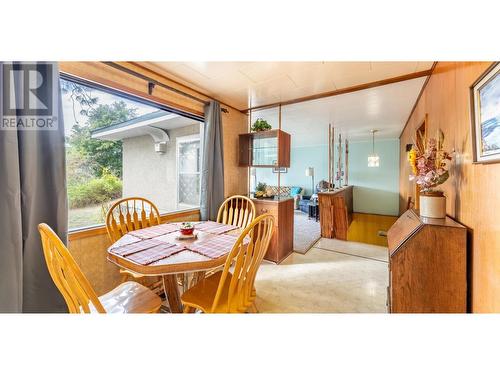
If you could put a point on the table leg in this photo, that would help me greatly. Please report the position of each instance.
(172, 293)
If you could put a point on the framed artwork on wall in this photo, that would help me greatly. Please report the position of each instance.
(485, 116)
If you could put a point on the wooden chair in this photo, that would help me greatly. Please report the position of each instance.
(129, 297)
(130, 214)
(234, 292)
(236, 210)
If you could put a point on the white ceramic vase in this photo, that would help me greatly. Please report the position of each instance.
(433, 205)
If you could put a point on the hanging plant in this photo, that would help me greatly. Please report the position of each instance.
(261, 125)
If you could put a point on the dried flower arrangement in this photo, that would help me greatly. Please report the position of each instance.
(429, 163)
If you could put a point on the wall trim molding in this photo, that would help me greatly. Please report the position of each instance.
(345, 90)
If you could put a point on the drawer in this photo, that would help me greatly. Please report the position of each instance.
(267, 209)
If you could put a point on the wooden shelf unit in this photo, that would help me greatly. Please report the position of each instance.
(427, 265)
(248, 144)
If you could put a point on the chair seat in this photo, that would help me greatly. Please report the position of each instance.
(130, 297)
(202, 295)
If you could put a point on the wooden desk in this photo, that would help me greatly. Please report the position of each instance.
(335, 212)
(427, 265)
(185, 261)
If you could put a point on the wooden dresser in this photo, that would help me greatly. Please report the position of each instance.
(282, 241)
(427, 265)
(335, 212)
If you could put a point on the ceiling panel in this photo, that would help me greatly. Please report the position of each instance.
(385, 108)
(240, 83)
(246, 84)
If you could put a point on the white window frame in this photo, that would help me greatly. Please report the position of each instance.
(179, 141)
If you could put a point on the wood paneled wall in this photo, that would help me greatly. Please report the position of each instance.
(472, 189)
(234, 122)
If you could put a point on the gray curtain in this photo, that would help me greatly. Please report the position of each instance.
(33, 190)
(212, 174)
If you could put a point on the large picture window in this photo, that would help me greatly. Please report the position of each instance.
(119, 146)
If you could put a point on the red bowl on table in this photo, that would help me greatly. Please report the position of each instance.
(187, 230)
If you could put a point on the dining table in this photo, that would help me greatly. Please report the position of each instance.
(162, 251)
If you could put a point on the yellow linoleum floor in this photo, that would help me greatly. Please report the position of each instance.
(333, 277)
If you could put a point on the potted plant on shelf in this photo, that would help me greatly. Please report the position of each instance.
(429, 163)
(263, 191)
(260, 125)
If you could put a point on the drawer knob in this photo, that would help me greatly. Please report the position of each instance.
(263, 210)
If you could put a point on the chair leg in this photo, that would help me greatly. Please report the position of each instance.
(253, 308)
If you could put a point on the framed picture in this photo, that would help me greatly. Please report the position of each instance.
(280, 170)
(485, 116)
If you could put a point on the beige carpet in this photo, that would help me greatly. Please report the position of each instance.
(305, 232)
(348, 277)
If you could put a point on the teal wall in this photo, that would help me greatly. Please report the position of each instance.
(376, 190)
(300, 159)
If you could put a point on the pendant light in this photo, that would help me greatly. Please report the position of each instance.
(373, 158)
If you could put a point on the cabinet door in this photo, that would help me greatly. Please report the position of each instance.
(265, 151)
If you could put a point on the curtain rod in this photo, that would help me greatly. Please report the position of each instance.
(152, 83)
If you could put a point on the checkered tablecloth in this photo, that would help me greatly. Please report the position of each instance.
(135, 247)
(149, 245)
(214, 247)
(164, 250)
(125, 240)
(155, 231)
(214, 227)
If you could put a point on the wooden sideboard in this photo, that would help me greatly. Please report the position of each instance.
(282, 241)
(427, 265)
(335, 212)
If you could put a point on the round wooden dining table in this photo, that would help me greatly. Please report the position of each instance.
(184, 261)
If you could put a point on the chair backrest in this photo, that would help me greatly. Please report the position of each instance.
(236, 210)
(245, 258)
(69, 279)
(130, 214)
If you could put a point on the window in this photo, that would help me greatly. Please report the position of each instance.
(118, 145)
(188, 171)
